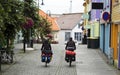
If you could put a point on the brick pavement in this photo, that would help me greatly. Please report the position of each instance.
(29, 63)
(89, 62)
(93, 62)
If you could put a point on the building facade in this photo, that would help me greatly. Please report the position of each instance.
(70, 26)
(115, 32)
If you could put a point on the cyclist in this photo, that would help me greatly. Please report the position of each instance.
(46, 47)
(70, 46)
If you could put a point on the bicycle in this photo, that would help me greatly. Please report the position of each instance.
(6, 56)
(70, 56)
(46, 57)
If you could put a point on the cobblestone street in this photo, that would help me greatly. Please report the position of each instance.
(89, 62)
(30, 64)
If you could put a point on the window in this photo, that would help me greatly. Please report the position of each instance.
(97, 5)
(116, 0)
(67, 36)
(78, 36)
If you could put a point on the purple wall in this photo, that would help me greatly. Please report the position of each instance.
(96, 14)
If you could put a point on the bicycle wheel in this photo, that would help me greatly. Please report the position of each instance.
(70, 60)
(46, 61)
(46, 64)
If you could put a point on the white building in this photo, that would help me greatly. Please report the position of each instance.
(70, 27)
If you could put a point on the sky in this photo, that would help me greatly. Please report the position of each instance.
(61, 6)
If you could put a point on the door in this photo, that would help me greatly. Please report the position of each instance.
(119, 50)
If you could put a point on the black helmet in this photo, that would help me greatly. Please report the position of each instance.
(70, 38)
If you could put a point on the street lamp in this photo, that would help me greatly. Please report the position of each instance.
(31, 40)
(41, 3)
(48, 12)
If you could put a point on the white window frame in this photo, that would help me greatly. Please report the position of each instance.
(78, 36)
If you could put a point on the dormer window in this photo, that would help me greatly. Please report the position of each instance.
(116, 3)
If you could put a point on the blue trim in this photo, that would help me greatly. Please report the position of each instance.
(105, 38)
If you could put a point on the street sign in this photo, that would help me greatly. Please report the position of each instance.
(97, 5)
(106, 16)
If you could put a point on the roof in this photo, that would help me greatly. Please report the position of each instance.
(69, 21)
(54, 26)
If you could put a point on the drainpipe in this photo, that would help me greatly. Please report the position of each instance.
(110, 19)
(111, 60)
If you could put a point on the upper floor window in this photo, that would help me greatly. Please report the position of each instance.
(116, 3)
(116, 0)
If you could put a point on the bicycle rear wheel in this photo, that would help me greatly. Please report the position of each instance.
(46, 64)
(70, 61)
(46, 61)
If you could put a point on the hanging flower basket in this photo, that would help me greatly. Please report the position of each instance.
(28, 24)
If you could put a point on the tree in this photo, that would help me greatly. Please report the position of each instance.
(44, 28)
(2, 27)
(11, 19)
(30, 11)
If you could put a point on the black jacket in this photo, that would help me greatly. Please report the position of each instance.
(46, 45)
(70, 44)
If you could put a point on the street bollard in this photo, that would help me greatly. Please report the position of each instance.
(110, 56)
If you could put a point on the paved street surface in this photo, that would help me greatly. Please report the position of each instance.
(89, 62)
(93, 62)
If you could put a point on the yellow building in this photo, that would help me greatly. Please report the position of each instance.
(86, 5)
(91, 24)
(115, 31)
(85, 15)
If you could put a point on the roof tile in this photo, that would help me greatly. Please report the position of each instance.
(54, 26)
(69, 21)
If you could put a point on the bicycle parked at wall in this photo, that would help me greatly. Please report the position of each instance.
(6, 56)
